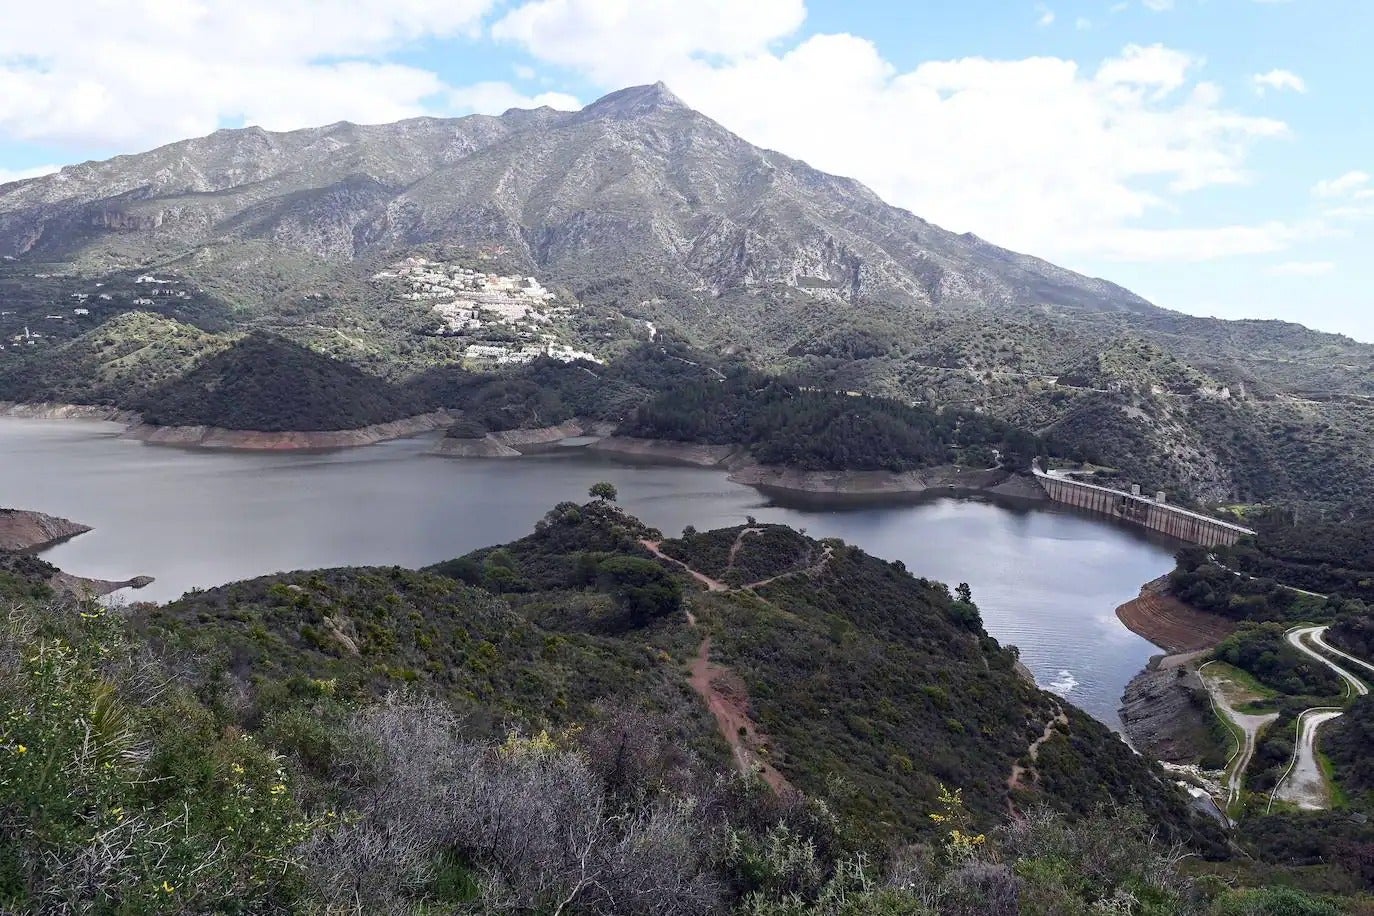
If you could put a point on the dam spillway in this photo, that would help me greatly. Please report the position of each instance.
(1155, 514)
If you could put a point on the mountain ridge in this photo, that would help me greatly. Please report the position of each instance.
(727, 249)
(643, 215)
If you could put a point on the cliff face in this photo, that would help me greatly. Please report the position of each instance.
(1166, 715)
(24, 530)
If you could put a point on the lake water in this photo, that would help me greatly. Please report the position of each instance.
(1046, 581)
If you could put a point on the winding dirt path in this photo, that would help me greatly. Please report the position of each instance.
(712, 585)
(739, 542)
(1017, 779)
(724, 691)
(814, 569)
(728, 700)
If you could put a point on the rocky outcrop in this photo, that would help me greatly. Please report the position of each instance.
(253, 440)
(1166, 714)
(82, 587)
(508, 443)
(698, 454)
(22, 530)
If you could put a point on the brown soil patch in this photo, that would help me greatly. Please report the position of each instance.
(728, 699)
(1169, 623)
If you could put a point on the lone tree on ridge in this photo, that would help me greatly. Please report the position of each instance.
(604, 491)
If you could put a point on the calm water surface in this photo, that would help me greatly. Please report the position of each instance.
(1046, 581)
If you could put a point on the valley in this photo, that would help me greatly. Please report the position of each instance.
(836, 623)
(403, 264)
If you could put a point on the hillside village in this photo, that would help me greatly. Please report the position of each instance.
(49, 306)
(507, 319)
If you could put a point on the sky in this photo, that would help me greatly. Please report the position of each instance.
(1215, 156)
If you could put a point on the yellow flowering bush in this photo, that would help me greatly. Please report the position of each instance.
(113, 804)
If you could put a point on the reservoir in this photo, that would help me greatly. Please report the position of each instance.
(1046, 580)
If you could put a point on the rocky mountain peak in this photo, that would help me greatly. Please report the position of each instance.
(636, 102)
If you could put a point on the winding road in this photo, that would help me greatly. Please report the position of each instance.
(1249, 724)
(1303, 784)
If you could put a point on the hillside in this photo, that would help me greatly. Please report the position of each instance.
(853, 667)
(267, 383)
(539, 725)
(376, 245)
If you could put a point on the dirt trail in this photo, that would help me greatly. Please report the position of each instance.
(724, 691)
(714, 585)
(739, 542)
(728, 699)
(814, 569)
(1017, 779)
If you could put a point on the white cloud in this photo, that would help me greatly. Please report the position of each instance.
(1301, 269)
(1037, 154)
(621, 42)
(1158, 6)
(1349, 197)
(8, 175)
(498, 97)
(1046, 15)
(1352, 184)
(1278, 80)
(148, 71)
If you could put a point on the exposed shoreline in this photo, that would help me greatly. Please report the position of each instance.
(26, 531)
(1164, 710)
(1158, 616)
(944, 480)
(216, 437)
(55, 411)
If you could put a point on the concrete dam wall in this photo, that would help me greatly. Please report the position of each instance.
(1155, 514)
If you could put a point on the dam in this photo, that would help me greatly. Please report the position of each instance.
(1154, 513)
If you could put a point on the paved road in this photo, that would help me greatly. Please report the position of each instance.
(1318, 639)
(1298, 637)
(1250, 726)
(1303, 783)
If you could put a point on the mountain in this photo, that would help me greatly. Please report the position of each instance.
(636, 184)
(641, 215)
